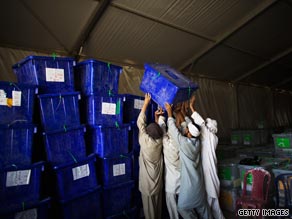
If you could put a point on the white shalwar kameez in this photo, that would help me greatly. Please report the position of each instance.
(171, 170)
(209, 142)
(192, 195)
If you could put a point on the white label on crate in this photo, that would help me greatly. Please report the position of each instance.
(16, 98)
(31, 214)
(246, 142)
(2, 94)
(119, 169)
(138, 104)
(80, 172)
(108, 108)
(18, 178)
(55, 75)
(3, 101)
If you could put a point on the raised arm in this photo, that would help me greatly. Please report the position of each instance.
(172, 129)
(141, 121)
(195, 115)
(147, 100)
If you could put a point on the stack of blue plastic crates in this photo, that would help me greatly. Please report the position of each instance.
(20, 176)
(70, 174)
(107, 136)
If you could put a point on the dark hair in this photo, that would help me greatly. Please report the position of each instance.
(154, 130)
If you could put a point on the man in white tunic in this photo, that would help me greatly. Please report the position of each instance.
(171, 170)
(151, 164)
(209, 142)
(192, 197)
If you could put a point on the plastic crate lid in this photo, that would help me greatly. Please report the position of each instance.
(28, 205)
(80, 162)
(18, 125)
(17, 85)
(117, 125)
(129, 155)
(28, 58)
(94, 61)
(23, 167)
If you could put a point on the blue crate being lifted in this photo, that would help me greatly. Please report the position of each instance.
(51, 74)
(165, 84)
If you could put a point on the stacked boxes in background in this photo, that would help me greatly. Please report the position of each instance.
(20, 175)
(250, 137)
(283, 144)
(229, 177)
(108, 135)
(283, 149)
(70, 173)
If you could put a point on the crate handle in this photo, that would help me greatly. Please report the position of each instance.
(14, 165)
(15, 121)
(171, 74)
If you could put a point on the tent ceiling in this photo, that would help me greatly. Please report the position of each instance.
(238, 41)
